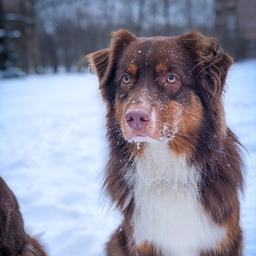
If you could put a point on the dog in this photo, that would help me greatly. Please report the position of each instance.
(14, 241)
(175, 168)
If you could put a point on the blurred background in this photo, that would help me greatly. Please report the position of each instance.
(52, 119)
(38, 36)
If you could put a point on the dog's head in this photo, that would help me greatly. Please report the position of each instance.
(162, 89)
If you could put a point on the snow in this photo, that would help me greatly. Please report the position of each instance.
(53, 152)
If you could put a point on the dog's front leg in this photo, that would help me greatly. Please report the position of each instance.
(117, 245)
(121, 245)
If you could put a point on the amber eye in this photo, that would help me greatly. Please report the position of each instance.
(171, 78)
(126, 79)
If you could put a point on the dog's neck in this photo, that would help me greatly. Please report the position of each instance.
(160, 167)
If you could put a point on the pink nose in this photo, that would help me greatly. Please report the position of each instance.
(137, 119)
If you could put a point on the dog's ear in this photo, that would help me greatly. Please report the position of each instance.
(99, 61)
(211, 63)
(104, 61)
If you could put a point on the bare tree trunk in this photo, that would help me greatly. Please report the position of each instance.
(189, 13)
(226, 24)
(166, 13)
(141, 19)
(153, 13)
(2, 38)
(226, 21)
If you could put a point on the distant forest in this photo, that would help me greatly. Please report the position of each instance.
(42, 35)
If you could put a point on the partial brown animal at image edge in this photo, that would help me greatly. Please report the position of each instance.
(14, 241)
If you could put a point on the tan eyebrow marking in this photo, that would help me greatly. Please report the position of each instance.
(132, 69)
(161, 68)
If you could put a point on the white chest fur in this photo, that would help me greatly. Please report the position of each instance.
(167, 211)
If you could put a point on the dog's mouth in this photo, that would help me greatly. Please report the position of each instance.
(148, 138)
(142, 138)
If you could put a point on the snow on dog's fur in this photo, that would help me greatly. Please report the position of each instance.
(174, 170)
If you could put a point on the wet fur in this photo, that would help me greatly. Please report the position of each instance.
(14, 241)
(212, 149)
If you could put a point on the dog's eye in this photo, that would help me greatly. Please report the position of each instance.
(126, 79)
(171, 78)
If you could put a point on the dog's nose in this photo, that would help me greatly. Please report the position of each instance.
(137, 119)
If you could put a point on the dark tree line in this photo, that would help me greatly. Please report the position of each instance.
(58, 33)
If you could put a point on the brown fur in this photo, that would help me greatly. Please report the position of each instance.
(132, 69)
(14, 241)
(161, 68)
(213, 149)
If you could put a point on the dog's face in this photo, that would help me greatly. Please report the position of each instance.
(154, 87)
(155, 101)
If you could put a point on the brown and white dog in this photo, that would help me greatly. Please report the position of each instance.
(174, 170)
(14, 241)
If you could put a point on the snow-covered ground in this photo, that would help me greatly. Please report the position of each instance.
(53, 151)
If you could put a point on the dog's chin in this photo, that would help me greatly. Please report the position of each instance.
(147, 139)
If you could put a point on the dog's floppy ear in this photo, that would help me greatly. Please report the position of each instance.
(211, 62)
(103, 62)
(99, 61)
